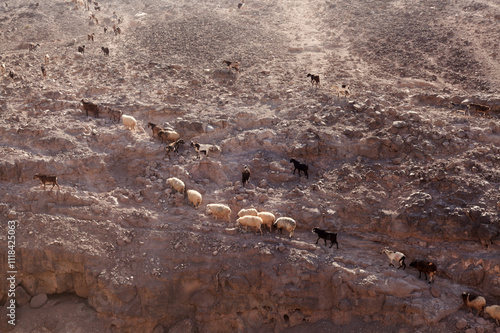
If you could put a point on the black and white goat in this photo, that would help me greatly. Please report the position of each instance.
(395, 256)
(314, 79)
(173, 147)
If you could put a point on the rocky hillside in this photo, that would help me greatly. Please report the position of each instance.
(400, 162)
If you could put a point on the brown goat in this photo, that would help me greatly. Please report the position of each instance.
(91, 107)
(47, 179)
(426, 267)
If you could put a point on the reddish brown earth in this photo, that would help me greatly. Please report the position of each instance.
(391, 165)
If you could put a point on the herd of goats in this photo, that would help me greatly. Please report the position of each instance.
(251, 217)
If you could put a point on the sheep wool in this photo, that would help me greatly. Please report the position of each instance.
(194, 198)
(177, 184)
(286, 223)
(129, 122)
(267, 218)
(249, 211)
(494, 312)
(219, 211)
(250, 221)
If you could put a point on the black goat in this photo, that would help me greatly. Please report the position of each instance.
(314, 79)
(326, 235)
(44, 72)
(425, 267)
(90, 107)
(245, 175)
(81, 49)
(105, 50)
(299, 166)
(12, 75)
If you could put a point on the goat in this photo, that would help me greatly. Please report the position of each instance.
(81, 49)
(300, 167)
(173, 147)
(314, 79)
(155, 128)
(12, 74)
(342, 89)
(479, 109)
(113, 114)
(44, 72)
(200, 148)
(326, 235)
(460, 108)
(245, 175)
(2, 68)
(105, 50)
(232, 64)
(425, 267)
(97, 8)
(33, 47)
(241, 4)
(474, 301)
(117, 30)
(46, 59)
(47, 179)
(90, 107)
(90, 37)
(166, 135)
(397, 256)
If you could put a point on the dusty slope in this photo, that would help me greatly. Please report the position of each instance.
(395, 167)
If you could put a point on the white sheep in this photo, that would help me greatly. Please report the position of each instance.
(166, 135)
(249, 211)
(494, 312)
(286, 223)
(177, 184)
(250, 221)
(219, 211)
(129, 122)
(395, 256)
(267, 218)
(474, 301)
(194, 198)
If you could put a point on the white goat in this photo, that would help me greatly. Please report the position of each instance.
(395, 256)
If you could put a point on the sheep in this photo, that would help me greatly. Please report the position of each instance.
(173, 147)
(287, 223)
(474, 301)
(166, 135)
(219, 211)
(248, 212)
(232, 64)
(2, 68)
(129, 122)
(245, 175)
(194, 198)
(47, 179)
(314, 79)
(267, 219)
(46, 59)
(90, 37)
(105, 50)
(326, 235)
(155, 128)
(200, 148)
(494, 312)
(81, 49)
(33, 47)
(44, 72)
(395, 256)
(300, 167)
(250, 221)
(479, 109)
(177, 184)
(90, 107)
(428, 268)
